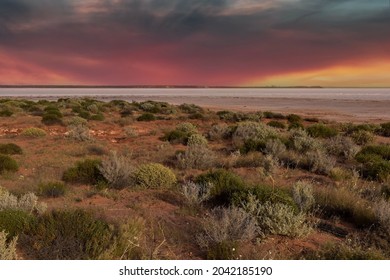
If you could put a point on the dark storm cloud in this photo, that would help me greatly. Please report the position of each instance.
(201, 39)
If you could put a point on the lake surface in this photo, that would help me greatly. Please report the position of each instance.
(128, 93)
(360, 105)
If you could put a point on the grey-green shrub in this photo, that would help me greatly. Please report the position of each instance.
(154, 175)
(196, 194)
(117, 170)
(274, 147)
(341, 146)
(226, 225)
(33, 132)
(277, 218)
(303, 143)
(197, 139)
(252, 131)
(27, 202)
(196, 156)
(303, 195)
(218, 132)
(79, 133)
(362, 137)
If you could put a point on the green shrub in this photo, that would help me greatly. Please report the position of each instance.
(68, 235)
(85, 172)
(33, 132)
(296, 125)
(375, 161)
(224, 185)
(385, 129)
(6, 113)
(51, 189)
(293, 118)
(272, 115)
(146, 117)
(197, 139)
(10, 149)
(301, 142)
(218, 132)
(14, 222)
(7, 164)
(321, 131)
(75, 121)
(251, 136)
(154, 175)
(277, 124)
(181, 134)
(51, 119)
(97, 117)
(226, 250)
(190, 108)
(84, 114)
(362, 137)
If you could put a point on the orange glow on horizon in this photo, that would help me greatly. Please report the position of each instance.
(369, 74)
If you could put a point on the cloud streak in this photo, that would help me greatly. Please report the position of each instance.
(217, 42)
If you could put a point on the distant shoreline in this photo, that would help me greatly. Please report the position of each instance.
(151, 86)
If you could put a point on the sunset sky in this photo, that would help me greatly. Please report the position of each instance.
(330, 43)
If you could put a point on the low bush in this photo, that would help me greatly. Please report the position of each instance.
(343, 147)
(181, 134)
(117, 170)
(7, 248)
(218, 132)
(293, 118)
(196, 194)
(224, 185)
(79, 133)
(97, 117)
(14, 221)
(277, 218)
(33, 132)
(7, 164)
(154, 175)
(51, 189)
(197, 140)
(296, 125)
(318, 162)
(303, 195)
(68, 235)
(76, 121)
(301, 142)
(321, 131)
(10, 149)
(146, 117)
(27, 202)
(275, 148)
(385, 129)
(227, 225)
(344, 251)
(362, 137)
(272, 115)
(84, 172)
(345, 204)
(382, 212)
(6, 113)
(375, 162)
(277, 124)
(130, 132)
(51, 119)
(190, 108)
(196, 156)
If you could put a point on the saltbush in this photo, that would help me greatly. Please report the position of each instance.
(68, 235)
(146, 117)
(321, 131)
(51, 119)
(7, 164)
(7, 249)
(51, 189)
(276, 124)
(196, 156)
(375, 162)
(303, 195)
(154, 175)
(117, 170)
(10, 149)
(84, 172)
(14, 221)
(362, 137)
(385, 129)
(33, 132)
